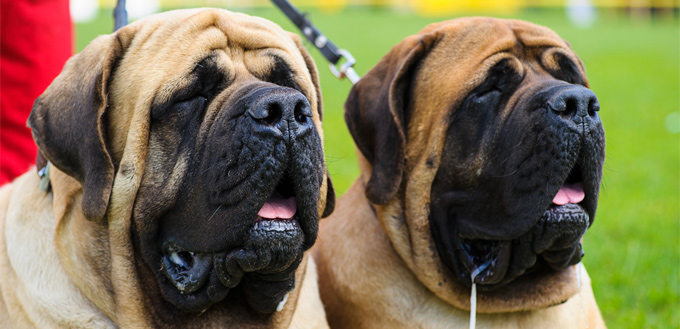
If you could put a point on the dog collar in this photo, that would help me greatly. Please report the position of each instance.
(43, 166)
(44, 174)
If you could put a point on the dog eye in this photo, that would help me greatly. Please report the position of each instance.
(489, 98)
(485, 101)
(504, 76)
(501, 79)
(562, 67)
(192, 104)
(210, 77)
(204, 83)
(281, 74)
(568, 72)
(179, 109)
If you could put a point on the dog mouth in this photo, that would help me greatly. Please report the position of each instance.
(278, 222)
(554, 243)
(276, 228)
(277, 218)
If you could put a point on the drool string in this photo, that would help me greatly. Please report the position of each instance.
(473, 293)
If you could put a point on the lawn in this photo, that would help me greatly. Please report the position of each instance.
(633, 248)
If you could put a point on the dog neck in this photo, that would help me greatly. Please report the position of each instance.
(87, 267)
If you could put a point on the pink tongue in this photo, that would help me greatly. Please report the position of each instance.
(278, 207)
(569, 193)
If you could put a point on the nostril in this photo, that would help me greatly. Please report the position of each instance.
(267, 114)
(593, 106)
(275, 111)
(302, 112)
(279, 112)
(571, 106)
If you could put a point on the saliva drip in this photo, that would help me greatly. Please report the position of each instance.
(473, 293)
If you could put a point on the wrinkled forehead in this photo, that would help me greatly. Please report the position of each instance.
(473, 45)
(467, 48)
(163, 53)
(494, 34)
(209, 27)
(167, 47)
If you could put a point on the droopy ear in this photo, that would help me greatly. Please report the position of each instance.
(330, 197)
(375, 112)
(66, 121)
(330, 192)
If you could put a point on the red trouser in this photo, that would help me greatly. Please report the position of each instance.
(36, 39)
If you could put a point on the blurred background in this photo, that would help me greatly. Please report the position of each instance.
(631, 49)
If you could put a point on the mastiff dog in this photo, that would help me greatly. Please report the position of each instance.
(481, 154)
(187, 180)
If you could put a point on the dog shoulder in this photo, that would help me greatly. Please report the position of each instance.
(35, 289)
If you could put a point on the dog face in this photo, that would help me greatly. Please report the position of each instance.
(217, 116)
(524, 140)
(493, 156)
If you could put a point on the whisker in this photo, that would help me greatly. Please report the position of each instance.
(210, 167)
(517, 146)
(514, 171)
(213, 215)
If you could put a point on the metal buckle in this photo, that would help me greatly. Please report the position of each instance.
(44, 175)
(346, 69)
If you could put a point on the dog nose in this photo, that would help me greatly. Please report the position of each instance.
(576, 103)
(280, 111)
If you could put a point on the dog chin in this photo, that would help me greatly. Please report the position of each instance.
(254, 246)
(193, 281)
(552, 245)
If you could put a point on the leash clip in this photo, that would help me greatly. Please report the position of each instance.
(44, 175)
(327, 48)
(346, 69)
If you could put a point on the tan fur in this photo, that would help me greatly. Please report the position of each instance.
(309, 312)
(60, 270)
(378, 266)
(36, 289)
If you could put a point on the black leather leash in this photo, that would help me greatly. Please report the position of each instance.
(327, 48)
(120, 17)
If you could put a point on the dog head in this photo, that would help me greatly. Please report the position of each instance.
(196, 138)
(483, 153)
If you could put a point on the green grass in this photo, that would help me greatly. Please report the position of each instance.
(633, 248)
